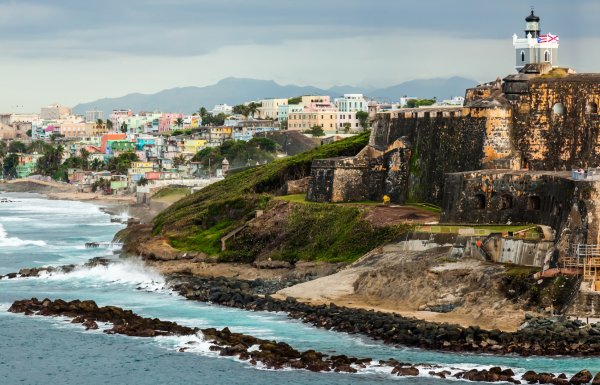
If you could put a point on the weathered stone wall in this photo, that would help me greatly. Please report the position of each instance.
(339, 180)
(555, 123)
(547, 198)
(413, 150)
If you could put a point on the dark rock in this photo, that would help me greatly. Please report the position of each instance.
(405, 371)
(583, 377)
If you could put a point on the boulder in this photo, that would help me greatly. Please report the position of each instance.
(583, 377)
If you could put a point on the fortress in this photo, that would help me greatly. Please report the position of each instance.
(506, 156)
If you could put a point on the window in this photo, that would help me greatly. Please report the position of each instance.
(533, 203)
(505, 202)
(480, 201)
(547, 56)
(522, 56)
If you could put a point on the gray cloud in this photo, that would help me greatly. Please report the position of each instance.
(72, 51)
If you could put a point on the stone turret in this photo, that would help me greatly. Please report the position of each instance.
(372, 109)
(225, 167)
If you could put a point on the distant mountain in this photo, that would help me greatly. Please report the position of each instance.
(235, 91)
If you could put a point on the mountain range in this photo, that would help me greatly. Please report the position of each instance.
(239, 90)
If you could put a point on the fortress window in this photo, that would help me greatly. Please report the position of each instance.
(534, 203)
(480, 201)
(558, 109)
(522, 56)
(505, 202)
(547, 56)
(591, 108)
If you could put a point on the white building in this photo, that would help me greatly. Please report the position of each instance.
(93, 116)
(351, 103)
(269, 108)
(221, 109)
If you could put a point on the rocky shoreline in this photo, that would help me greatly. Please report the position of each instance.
(537, 336)
(270, 354)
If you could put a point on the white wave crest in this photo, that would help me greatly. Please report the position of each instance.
(125, 272)
(6, 241)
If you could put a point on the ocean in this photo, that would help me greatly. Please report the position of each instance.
(35, 231)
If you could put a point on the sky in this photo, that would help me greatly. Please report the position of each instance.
(74, 51)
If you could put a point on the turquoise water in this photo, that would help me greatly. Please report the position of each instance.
(39, 350)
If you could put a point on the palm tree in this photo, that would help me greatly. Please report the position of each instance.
(179, 122)
(109, 124)
(252, 108)
(85, 156)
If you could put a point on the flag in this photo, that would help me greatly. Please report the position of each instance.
(549, 38)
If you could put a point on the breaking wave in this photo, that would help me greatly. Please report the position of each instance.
(6, 241)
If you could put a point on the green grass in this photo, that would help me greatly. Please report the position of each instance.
(481, 230)
(207, 241)
(427, 207)
(294, 198)
(316, 232)
(234, 199)
(301, 198)
(169, 191)
(521, 272)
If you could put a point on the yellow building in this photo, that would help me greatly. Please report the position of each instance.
(140, 168)
(193, 146)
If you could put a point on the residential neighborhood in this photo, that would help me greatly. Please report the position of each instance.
(120, 151)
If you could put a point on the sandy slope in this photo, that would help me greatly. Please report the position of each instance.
(405, 282)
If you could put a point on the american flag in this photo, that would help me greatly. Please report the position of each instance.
(549, 38)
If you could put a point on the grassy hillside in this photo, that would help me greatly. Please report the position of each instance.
(197, 222)
(310, 232)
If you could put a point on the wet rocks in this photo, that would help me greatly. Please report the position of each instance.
(583, 377)
(554, 336)
(88, 313)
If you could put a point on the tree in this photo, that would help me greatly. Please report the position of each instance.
(124, 127)
(202, 112)
(253, 107)
(9, 168)
(38, 146)
(17, 147)
(265, 144)
(29, 132)
(97, 165)
(347, 126)
(50, 162)
(85, 158)
(3, 149)
(414, 103)
(316, 131)
(283, 125)
(109, 124)
(295, 100)
(179, 161)
(363, 119)
(179, 122)
(241, 109)
(120, 164)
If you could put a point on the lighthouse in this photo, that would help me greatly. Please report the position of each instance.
(535, 47)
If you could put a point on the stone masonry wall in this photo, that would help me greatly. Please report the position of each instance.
(556, 123)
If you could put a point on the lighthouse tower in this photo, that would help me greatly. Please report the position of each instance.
(535, 47)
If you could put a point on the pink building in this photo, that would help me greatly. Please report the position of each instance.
(167, 122)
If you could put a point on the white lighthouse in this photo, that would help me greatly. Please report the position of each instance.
(535, 47)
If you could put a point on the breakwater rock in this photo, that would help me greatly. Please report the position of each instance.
(542, 337)
(270, 354)
(64, 269)
(89, 313)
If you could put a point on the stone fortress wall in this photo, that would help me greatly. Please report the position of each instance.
(506, 155)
